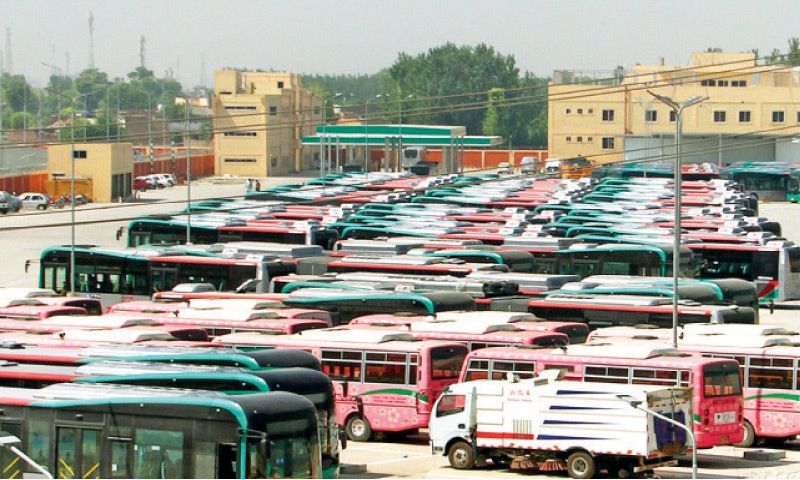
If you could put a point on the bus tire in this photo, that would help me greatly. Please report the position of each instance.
(749, 436)
(581, 465)
(461, 456)
(358, 429)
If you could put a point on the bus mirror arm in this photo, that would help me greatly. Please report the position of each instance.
(343, 436)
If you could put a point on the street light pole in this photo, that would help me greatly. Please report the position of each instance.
(678, 108)
(637, 404)
(149, 128)
(73, 102)
(187, 145)
(366, 130)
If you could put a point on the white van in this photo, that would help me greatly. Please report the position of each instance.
(529, 165)
(552, 167)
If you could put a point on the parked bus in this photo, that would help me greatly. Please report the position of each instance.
(771, 182)
(344, 305)
(312, 384)
(619, 259)
(401, 264)
(773, 268)
(718, 410)
(251, 359)
(118, 274)
(196, 434)
(611, 310)
(172, 231)
(474, 335)
(384, 382)
(770, 364)
(575, 332)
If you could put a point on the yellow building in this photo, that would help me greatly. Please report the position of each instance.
(259, 121)
(103, 171)
(750, 112)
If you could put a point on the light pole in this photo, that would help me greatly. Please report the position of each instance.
(59, 86)
(366, 130)
(676, 258)
(149, 128)
(73, 102)
(637, 404)
(187, 144)
(398, 166)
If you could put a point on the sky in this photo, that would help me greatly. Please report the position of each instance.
(190, 39)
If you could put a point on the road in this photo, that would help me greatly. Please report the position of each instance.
(24, 235)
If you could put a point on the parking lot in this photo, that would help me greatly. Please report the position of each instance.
(24, 235)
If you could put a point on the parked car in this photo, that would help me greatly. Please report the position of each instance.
(158, 180)
(503, 168)
(170, 178)
(143, 184)
(9, 203)
(39, 201)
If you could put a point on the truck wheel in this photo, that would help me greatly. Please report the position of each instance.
(358, 429)
(461, 456)
(749, 436)
(581, 465)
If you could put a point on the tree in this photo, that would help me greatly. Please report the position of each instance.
(494, 120)
(92, 82)
(454, 81)
(793, 57)
(17, 94)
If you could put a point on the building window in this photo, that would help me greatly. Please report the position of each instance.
(580, 139)
(79, 154)
(778, 116)
(673, 117)
(738, 83)
(590, 111)
(240, 134)
(608, 143)
(708, 83)
(280, 84)
(798, 117)
(589, 139)
(580, 111)
(240, 160)
(569, 139)
(569, 110)
(650, 116)
(745, 116)
(240, 107)
(720, 116)
(608, 115)
(273, 110)
(722, 83)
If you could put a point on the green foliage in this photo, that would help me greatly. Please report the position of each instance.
(20, 120)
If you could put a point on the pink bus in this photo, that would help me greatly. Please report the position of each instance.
(474, 335)
(383, 382)
(575, 331)
(770, 368)
(223, 316)
(718, 409)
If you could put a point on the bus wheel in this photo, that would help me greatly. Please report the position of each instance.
(749, 436)
(358, 429)
(581, 465)
(461, 456)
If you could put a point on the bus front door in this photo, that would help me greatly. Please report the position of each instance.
(77, 453)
